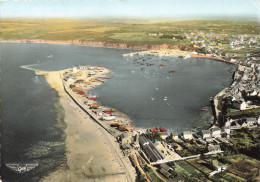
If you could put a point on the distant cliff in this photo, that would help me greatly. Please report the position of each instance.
(106, 44)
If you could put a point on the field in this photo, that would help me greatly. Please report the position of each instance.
(187, 172)
(248, 141)
(200, 165)
(153, 174)
(240, 168)
(234, 113)
(121, 31)
(245, 169)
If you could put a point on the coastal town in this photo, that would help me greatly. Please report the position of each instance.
(129, 91)
(158, 155)
(228, 150)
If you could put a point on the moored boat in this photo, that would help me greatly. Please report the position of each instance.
(92, 97)
(108, 118)
(205, 109)
(109, 111)
(162, 129)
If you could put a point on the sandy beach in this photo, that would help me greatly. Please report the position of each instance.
(92, 154)
(160, 52)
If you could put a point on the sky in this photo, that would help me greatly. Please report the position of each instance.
(130, 8)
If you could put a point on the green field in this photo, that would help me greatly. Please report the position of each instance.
(124, 31)
(234, 113)
(240, 168)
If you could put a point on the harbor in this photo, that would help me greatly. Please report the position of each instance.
(79, 90)
(78, 83)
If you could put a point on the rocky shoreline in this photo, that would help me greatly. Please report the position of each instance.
(102, 44)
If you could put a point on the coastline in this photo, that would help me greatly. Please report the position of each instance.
(99, 44)
(157, 50)
(162, 51)
(74, 142)
(86, 162)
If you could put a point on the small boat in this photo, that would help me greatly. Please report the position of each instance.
(172, 71)
(115, 124)
(109, 111)
(162, 129)
(123, 128)
(50, 56)
(205, 109)
(154, 130)
(92, 97)
(94, 106)
(81, 92)
(108, 118)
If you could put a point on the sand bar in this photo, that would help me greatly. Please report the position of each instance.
(92, 153)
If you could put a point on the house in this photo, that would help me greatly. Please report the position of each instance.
(92, 73)
(209, 139)
(216, 132)
(82, 67)
(187, 135)
(166, 167)
(202, 141)
(244, 124)
(235, 125)
(165, 173)
(226, 129)
(91, 68)
(175, 135)
(125, 138)
(74, 69)
(174, 146)
(206, 134)
(214, 148)
(229, 121)
(215, 166)
(251, 121)
(70, 79)
(163, 135)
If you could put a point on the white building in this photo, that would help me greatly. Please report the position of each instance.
(74, 69)
(216, 132)
(187, 135)
(206, 134)
(226, 129)
(174, 135)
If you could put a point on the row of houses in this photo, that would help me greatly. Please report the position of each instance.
(244, 122)
(245, 87)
